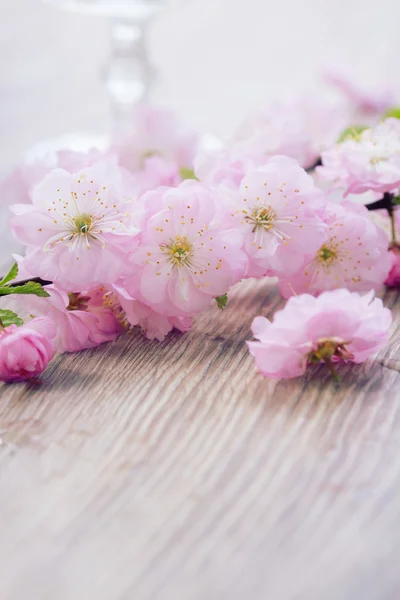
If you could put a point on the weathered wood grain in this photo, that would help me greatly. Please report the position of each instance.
(148, 470)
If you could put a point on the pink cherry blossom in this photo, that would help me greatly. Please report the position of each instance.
(157, 171)
(133, 312)
(73, 161)
(79, 227)
(371, 161)
(367, 100)
(354, 255)
(82, 320)
(279, 211)
(27, 350)
(17, 187)
(222, 167)
(187, 254)
(154, 131)
(393, 279)
(299, 129)
(338, 326)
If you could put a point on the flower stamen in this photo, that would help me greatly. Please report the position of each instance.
(327, 255)
(77, 301)
(262, 217)
(82, 223)
(180, 251)
(328, 349)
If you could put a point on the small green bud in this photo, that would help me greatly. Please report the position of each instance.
(351, 133)
(187, 173)
(222, 301)
(393, 113)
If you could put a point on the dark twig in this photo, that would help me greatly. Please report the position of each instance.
(34, 279)
(317, 163)
(386, 202)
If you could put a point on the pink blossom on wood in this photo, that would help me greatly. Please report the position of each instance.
(26, 351)
(338, 326)
(135, 313)
(187, 253)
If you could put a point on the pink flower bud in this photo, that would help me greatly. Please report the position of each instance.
(27, 350)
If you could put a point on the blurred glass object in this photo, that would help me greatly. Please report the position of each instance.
(129, 74)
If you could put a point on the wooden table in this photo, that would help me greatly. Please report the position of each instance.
(173, 471)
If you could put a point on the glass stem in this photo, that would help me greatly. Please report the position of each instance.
(130, 74)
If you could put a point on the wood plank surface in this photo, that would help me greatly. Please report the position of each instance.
(173, 471)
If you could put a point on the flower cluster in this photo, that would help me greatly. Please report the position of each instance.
(152, 232)
(337, 326)
(368, 161)
(299, 128)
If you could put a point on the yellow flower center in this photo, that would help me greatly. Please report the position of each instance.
(328, 348)
(82, 223)
(262, 217)
(376, 160)
(179, 251)
(326, 255)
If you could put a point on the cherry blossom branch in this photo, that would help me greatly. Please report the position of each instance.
(145, 241)
(384, 203)
(34, 286)
(38, 280)
(388, 203)
(392, 225)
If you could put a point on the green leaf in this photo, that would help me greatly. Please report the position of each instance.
(8, 317)
(31, 287)
(222, 301)
(351, 133)
(393, 113)
(396, 200)
(12, 273)
(187, 173)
